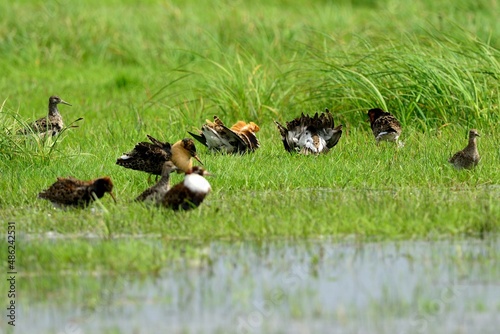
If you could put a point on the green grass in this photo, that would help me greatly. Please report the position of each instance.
(162, 68)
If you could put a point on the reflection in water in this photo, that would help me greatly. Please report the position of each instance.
(288, 287)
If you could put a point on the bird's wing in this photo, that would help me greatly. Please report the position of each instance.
(387, 123)
(289, 146)
(331, 136)
(67, 191)
(220, 137)
(199, 137)
(175, 196)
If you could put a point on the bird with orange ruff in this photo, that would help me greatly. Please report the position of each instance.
(239, 138)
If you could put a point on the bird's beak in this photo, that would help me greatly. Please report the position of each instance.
(113, 196)
(66, 103)
(196, 157)
(208, 174)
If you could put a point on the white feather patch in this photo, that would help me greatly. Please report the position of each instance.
(125, 157)
(197, 183)
(388, 136)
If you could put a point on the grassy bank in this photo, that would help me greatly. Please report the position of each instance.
(162, 68)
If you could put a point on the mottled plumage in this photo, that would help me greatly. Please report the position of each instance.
(307, 135)
(158, 191)
(469, 156)
(190, 192)
(150, 157)
(73, 192)
(50, 124)
(240, 138)
(384, 125)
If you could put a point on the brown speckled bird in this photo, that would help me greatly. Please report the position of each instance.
(240, 138)
(73, 192)
(156, 193)
(307, 135)
(190, 193)
(150, 157)
(384, 126)
(50, 124)
(469, 156)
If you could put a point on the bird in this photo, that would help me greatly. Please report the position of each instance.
(310, 135)
(69, 191)
(158, 191)
(384, 126)
(150, 157)
(469, 156)
(240, 138)
(189, 193)
(52, 123)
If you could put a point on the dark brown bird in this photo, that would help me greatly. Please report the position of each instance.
(469, 156)
(307, 135)
(240, 138)
(150, 157)
(73, 192)
(156, 193)
(50, 124)
(190, 193)
(384, 126)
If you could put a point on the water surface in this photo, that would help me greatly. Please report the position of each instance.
(316, 286)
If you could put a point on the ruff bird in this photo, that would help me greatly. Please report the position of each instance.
(150, 157)
(469, 156)
(190, 193)
(240, 138)
(307, 135)
(52, 123)
(157, 192)
(77, 193)
(384, 126)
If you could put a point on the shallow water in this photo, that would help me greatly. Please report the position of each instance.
(316, 286)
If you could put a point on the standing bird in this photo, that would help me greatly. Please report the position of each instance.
(158, 191)
(150, 157)
(189, 193)
(73, 192)
(240, 138)
(469, 156)
(52, 123)
(307, 135)
(384, 126)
